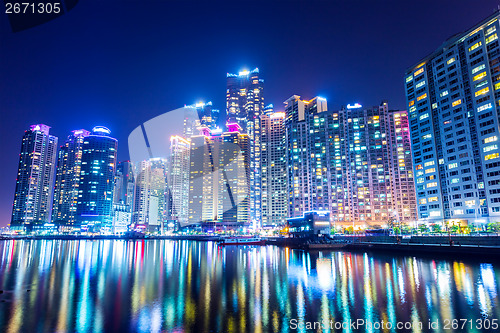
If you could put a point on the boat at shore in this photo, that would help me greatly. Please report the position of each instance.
(241, 241)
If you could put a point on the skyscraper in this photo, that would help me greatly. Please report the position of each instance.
(123, 196)
(68, 179)
(219, 177)
(347, 161)
(300, 162)
(124, 184)
(244, 105)
(35, 179)
(273, 168)
(453, 99)
(178, 178)
(149, 209)
(95, 189)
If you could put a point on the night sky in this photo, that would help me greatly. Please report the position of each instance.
(120, 63)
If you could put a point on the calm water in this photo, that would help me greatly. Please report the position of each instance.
(183, 286)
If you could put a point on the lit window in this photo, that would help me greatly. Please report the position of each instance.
(490, 148)
(433, 184)
(422, 201)
(450, 61)
(478, 68)
(458, 212)
(435, 214)
(491, 38)
(475, 46)
(421, 97)
(413, 109)
(430, 170)
(433, 199)
(452, 166)
(420, 84)
(470, 202)
(484, 107)
(434, 105)
(455, 180)
(409, 78)
(421, 70)
(482, 91)
(491, 139)
(411, 103)
(426, 164)
(425, 115)
(444, 93)
(457, 102)
(490, 30)
(491, 156)
(479, 76)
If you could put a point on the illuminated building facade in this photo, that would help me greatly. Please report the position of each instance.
(150, 201)
(97, 174)
(300, 162)
(453, 97)
(123, 196)
(124, 184)
(68, 179)
(178, 179)
(200, 114)
(273, 168)
(244, 105)
(219, 177)
(35, 179)
(344, 162)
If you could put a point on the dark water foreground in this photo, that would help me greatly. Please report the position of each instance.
(187, 286)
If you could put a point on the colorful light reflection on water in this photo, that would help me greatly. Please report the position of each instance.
(178, 286)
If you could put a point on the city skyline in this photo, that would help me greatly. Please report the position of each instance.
(274, 87)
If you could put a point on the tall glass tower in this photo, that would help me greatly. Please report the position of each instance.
(35, 179)
(244, 105)
(95, 188)
(68, 179)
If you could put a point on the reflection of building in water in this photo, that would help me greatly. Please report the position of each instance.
(219, 177)
(310, 223)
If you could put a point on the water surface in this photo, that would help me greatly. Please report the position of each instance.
(187, 286)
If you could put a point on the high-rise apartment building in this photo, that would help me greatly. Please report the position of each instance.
(178, 179)
(354, 163)
(453, 97)
(69, 164)
(150, 201)
(273, 168)
(35, 179)
(124, 184)
(300, 162)
(219, 177)
(244, 105)
(97, 174)
(200, 115)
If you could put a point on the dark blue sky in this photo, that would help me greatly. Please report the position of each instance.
(120, 63)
